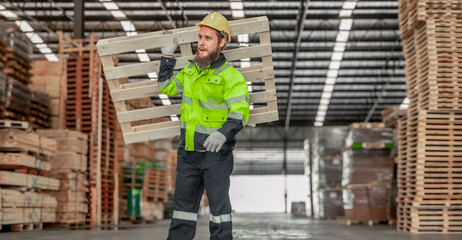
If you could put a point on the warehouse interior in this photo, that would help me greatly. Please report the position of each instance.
(354, 131)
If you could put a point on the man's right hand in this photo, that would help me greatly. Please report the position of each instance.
(170, 49)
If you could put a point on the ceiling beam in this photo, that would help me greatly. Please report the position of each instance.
(298, 30)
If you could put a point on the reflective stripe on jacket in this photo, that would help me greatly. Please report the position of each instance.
(214, 99)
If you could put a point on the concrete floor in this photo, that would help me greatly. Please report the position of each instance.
(246, 226)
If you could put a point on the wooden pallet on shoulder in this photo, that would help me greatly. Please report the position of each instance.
(122, 92)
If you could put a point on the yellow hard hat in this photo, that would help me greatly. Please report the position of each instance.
(216, 21)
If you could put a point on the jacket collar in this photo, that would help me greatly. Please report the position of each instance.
(220, 61)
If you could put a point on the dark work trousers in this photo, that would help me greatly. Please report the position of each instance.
(194, 172)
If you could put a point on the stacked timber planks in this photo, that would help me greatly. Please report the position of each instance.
(39, 110)
(367, 173)
(69, 166)
(26, 185)
(429, 185)
(46, 78)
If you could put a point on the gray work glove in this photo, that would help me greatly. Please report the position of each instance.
(170, 49)
(214, 142)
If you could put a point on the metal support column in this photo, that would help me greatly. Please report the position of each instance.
(79, 19)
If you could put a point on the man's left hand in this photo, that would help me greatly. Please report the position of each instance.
(214, 142)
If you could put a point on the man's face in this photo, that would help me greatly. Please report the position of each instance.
(208, 47)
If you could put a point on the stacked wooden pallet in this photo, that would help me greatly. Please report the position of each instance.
(69, 166)
(17, 98)
(26, 195)
(391, 115)
(265, 102)
(89, 109)
(367, 173)
(429, 162)
(18, 62)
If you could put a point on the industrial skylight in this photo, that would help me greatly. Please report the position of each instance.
(336, 59)
(29, 32)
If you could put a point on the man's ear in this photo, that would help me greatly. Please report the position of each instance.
(222, 42)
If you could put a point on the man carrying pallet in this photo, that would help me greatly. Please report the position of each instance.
(214, 108)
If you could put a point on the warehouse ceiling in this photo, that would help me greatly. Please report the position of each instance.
(335, 61)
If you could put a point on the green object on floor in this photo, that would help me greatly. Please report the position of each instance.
(134, 196)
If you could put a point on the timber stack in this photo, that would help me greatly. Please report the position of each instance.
(27, 191)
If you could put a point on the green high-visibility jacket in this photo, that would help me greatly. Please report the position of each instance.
(214, 99)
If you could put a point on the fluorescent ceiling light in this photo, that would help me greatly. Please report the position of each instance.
(34, 38)
(318, 124)
(111, 6)
(51, 57)
(342, 36)
(45, 50)
(332, 73)
(236, 5)
(349, 5)
(128, 26)
(345, 24)
(143, 57)
(328, 88)
(118, 14)
(320, 118)
(153, 75)
(339, 47)
(237, 13)
(243, 38)
(8, 14)
(174, 118)
(326, 95)
(334, 65)
(321, 113)
(24, 26)
(41, 45)
(330, 80)
(324, 101)
(322, 108)
(345, 13)
(337, 56)
(2, 7)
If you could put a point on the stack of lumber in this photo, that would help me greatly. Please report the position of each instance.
(429, 185)
(69, 166)
(17, 96)
(367, 173)
(46, 78)
(39, 110)
(18, 61)
(27, 190)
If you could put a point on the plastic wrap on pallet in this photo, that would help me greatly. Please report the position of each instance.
(17, 95)
(366, 203)
(367, 166)
(19, 44)
(330, 203)
(368, 135)
(330, 171)
(2, 87)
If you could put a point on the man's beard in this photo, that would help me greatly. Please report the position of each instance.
(203, 62)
